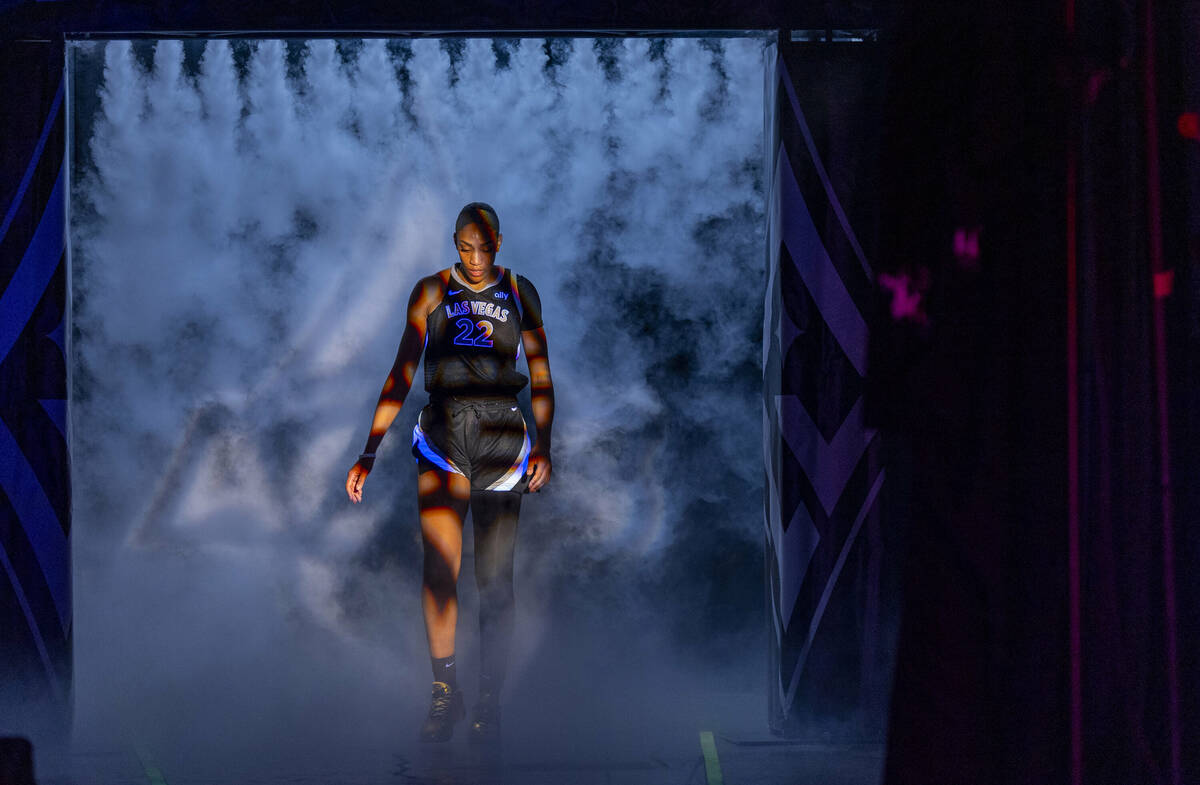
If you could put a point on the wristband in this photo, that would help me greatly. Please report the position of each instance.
(366, 455)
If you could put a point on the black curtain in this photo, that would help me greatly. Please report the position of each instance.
(968, 372)
(1036, 352)
(1179, 76)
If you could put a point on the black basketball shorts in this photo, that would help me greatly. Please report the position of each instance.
(483, 439)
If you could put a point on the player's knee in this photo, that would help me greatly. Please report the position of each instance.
(495, 595)
(438, 575)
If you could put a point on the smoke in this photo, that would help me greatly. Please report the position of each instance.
(248, 219)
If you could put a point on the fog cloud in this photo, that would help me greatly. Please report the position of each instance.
(248, 219)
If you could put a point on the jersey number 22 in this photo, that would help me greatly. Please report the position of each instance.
(467, 336)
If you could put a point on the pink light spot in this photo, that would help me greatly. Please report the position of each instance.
(1095, 83)
(1164, 282)
(966, 246)
(1189, 125)
(906, 298)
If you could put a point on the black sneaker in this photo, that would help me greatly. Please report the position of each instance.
(446, 708)
(485, 719)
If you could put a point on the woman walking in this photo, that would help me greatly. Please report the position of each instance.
(472, 321)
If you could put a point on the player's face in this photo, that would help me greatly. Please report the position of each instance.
(477, 251)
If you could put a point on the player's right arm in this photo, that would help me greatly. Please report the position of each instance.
(424, 298)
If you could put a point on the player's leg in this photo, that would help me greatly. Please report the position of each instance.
(442, 499)
(494, 515)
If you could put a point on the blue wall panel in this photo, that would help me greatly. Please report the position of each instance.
(830, 574)
(35, 490)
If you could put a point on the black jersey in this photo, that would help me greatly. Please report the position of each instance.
(473, 338)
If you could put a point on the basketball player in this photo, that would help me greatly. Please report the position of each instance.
(473, 321)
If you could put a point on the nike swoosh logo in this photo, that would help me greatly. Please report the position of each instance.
(453, 291)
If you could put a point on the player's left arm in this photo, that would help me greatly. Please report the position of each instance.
(542, 401)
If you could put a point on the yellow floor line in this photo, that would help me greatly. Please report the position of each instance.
(712, 766)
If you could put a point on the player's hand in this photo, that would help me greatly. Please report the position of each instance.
(356, 477)
(538, 471)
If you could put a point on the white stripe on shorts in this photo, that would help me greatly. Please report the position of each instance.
(513, 475)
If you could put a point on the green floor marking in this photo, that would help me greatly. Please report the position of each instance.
(153, 774)
(712, 766)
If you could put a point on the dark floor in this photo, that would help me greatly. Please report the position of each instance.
(574, 750)
(762, 762)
